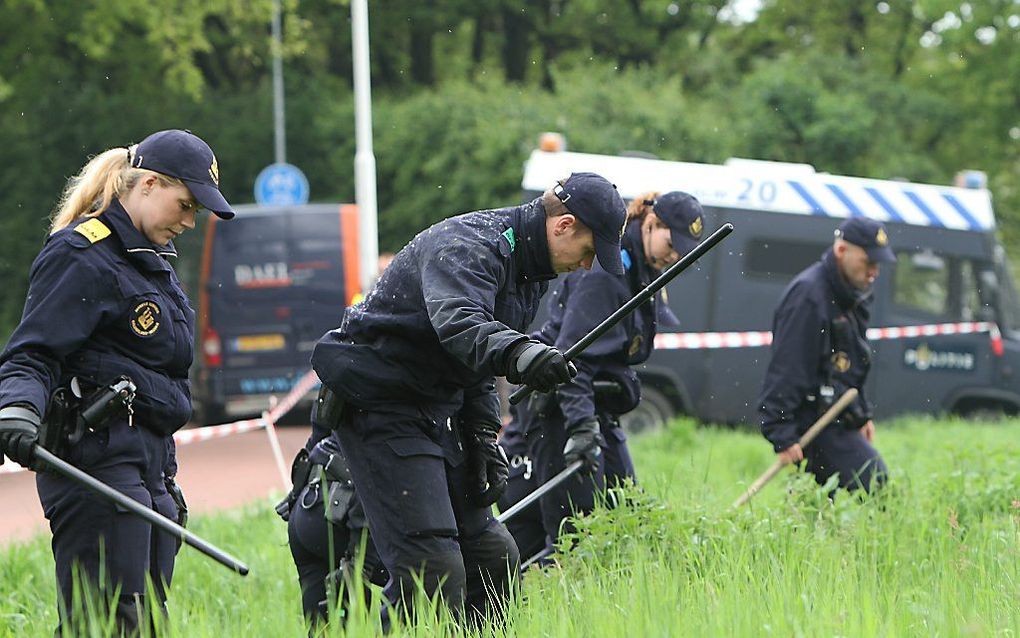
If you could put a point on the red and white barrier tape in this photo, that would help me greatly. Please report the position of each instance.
(183, 437)
(754, 339)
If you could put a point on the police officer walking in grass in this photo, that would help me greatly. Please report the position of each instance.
(819, 350)
(412, 372)
(104, 303)
(580, 420)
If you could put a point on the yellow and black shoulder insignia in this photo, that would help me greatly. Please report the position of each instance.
(93, 230)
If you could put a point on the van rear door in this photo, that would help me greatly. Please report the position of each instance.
(277, 280)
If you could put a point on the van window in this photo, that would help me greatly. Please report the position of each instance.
(921, 284)
(779, 259)
(929, 286)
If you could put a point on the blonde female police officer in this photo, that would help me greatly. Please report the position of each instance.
(104, 302)
(415, 363)
(577, 422)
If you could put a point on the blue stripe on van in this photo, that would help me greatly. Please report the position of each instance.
(816, 208)
(972, 222)
(928, 212)
(838, 192)
(884, 203)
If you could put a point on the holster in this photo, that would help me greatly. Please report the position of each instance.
(71, 413)
(177, 495)
(339, 490)
(300, 471)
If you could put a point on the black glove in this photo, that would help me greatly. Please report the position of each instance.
(487, 463)
(539, 366)
(19, 433)
(584, 443)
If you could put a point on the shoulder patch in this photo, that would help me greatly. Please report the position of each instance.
(93, 230)
(510, 237)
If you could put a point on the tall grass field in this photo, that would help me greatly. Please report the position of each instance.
(936, 554)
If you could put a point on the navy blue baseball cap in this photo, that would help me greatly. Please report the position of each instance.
(683, 214)
(184, 155)
(869, 235)
(597, 203)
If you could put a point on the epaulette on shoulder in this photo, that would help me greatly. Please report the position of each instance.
(93, 230)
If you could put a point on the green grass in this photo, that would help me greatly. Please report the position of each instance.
(938, 554)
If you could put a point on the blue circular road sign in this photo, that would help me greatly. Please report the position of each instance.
(281, 185)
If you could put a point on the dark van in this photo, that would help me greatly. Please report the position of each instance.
(272, 281)
(946, 326)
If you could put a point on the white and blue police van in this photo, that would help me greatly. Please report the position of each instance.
(945, 321)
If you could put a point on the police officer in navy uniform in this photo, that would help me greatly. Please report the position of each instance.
(104, 302)
(525, 526)
(580, 420)
(326, 528)
(413, 366)
(819, 350)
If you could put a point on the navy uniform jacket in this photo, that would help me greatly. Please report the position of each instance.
(441, 320)
(819, 337)
(103, 302)
(582, 301)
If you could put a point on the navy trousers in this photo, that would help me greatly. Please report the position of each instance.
(577, 494)
(93, 537)
(412, 481)
(841, 450)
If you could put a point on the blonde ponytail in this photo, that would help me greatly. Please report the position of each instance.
(641, 205)
(104, 177)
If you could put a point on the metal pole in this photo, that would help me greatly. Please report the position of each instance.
(364, 158)
(279, 119)
(151, 516)
(660, 282)
(539, 492)
(805, 440)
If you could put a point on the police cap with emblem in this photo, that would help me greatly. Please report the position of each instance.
(869, 235)
(684, 216)
(597, 203)
(184, 155)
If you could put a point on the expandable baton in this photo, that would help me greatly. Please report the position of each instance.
(813, 431)
(658, 284)
(136, 508)
(539, 492)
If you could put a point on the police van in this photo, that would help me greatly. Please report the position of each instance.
(945, 323)
(273, 280)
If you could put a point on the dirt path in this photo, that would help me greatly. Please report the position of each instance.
(214, 474)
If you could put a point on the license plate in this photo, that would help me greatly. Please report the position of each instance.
(259, 343)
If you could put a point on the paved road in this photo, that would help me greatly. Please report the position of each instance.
(214, 474)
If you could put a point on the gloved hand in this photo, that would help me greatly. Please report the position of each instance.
(19, 433)
(584, 443)
(539, 366)
(487, 463)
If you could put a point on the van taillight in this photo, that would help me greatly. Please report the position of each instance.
(998, 349)
(212, 348)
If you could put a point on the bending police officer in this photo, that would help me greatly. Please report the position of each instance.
(580, 420)
(104, 303)
(819, 350)
(420, 354)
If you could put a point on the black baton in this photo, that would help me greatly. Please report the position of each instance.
(136, 508)
(638, 299)
(539, 492)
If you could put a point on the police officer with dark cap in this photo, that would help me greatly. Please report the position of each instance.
(104, 304)
(411, 371)
(326, 528)
(819, 350)
(580, 420)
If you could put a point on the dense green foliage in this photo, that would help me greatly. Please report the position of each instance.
(913, 88)
(937, 554)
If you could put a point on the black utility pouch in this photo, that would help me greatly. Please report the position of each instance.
(329, 408)
(300, 471)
